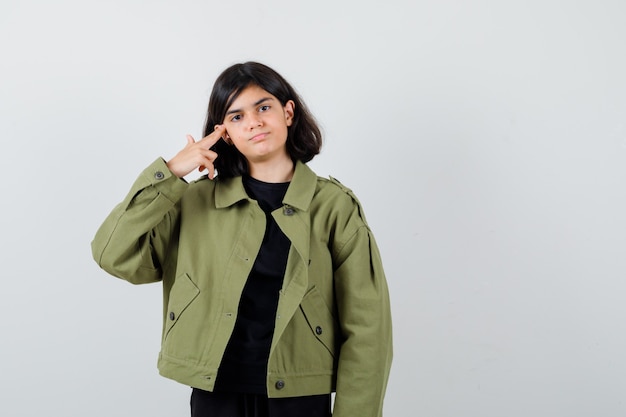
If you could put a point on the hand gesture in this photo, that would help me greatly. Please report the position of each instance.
(197, 154)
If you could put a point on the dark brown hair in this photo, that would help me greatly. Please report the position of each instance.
(304, 139)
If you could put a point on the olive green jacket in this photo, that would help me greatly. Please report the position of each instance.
(333, 323)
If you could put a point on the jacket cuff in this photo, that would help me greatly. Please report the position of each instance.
(159, 176)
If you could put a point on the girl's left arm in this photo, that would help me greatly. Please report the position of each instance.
(365, 321)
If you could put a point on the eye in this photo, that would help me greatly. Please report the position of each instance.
(235, 118)
(264, 108)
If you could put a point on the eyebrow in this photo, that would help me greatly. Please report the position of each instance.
(254, 105)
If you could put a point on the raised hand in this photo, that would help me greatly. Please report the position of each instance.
(197, 154)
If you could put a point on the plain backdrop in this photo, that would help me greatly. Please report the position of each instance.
(486, 140)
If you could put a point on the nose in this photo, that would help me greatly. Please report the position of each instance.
(254, 120)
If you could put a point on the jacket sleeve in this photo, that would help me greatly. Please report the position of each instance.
(365, 321)
(131, 242)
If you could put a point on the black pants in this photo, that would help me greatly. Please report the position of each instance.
(225, 404)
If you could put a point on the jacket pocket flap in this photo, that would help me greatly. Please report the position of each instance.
(320, 319)
(183, 292)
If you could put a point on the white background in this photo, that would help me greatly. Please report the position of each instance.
(486, 140)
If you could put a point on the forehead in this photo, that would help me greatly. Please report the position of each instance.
(250, 97)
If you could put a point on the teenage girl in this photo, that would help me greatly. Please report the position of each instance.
(274, 292)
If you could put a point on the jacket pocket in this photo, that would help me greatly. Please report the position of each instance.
(320, 320)
(183, 292)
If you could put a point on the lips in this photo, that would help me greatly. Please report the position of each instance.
(258, 137)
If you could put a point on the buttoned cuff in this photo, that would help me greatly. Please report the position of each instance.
(163, 180)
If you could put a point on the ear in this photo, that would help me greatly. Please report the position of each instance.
(289, 109)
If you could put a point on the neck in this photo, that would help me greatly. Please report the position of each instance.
(272, 171)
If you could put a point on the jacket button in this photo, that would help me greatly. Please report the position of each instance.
(318, 330)
(288, 211)
(159, 175)
(280, 384)
(172, 315)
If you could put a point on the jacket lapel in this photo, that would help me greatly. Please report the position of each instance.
(294, 219)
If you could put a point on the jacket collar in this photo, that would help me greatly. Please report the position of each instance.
(299, 194)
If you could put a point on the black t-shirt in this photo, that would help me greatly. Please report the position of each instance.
(244, 365)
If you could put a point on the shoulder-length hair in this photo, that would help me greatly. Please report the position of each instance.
(304, 139)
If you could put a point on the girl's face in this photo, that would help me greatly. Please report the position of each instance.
(256, 123)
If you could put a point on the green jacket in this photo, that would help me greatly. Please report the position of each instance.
(333, 323)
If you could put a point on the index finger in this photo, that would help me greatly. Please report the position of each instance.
(213, 137)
